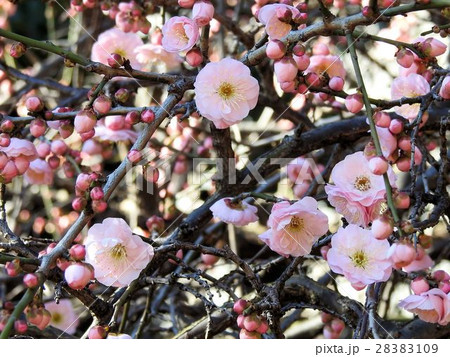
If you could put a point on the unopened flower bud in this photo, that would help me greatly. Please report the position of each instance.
(17, 50)
(31, 280)
(97, 332)
(147, 116)
(115, 60)
(97, 193)
(155, 223)
(122, 95)
(77, 251)
(34, 104)
(99, 206)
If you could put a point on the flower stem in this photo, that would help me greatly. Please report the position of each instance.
(9, 258)
(20, 307)
(46, 46)
(373, 130)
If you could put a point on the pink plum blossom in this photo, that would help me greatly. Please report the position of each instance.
(117, 255)
(202, 12)
(329, 64)
(239, 213)
(431, 46)
(179, 34)
(353, 211)
(63, 315)
(117, 41)
(20, 153)
(294, 228)
(225, 92)
(429, 306)
(357, 193)
(411, 86)
(359, 256)
(154, 55)
(114, 129)
(20, 148)
(275, 28)
(353, 176)
(39, 173)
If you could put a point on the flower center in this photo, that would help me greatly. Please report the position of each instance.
(121, 52)
(360, 259)
(412, 94)
(362, 183)
(226, 90)
(118, 252)
(56, 317)
(180, 33)
(234, 205)
(296, 224)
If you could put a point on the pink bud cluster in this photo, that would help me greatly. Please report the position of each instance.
(84, 124)
(404, 255)
(410, 62)
(297, 72)
(252, 325)
(131, 17)
(430, 299)
(76, 273)
(333, 327)
(87, 187)
(383, 226)
(65, 127)
(37, 315)
(134, 117)
(421, 285)
(16, 155)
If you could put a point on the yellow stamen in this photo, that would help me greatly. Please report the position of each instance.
(360, 259)
(121, 52)
(118, 252)
(226, 90)
(362, 183)
(56, 317)
(296, 224)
